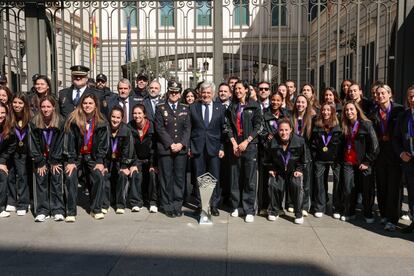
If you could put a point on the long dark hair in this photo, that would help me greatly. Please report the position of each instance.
(25, 118)
(333, 120)
(335, 94)
(345, 122)
(6, 124)
(307, 117)
(246, 86)
(8, 92)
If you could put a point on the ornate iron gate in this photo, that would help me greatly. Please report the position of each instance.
(316, 41)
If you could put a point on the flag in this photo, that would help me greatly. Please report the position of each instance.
(95, 40)
(128, 41)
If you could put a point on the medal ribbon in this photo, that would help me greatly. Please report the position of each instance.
(350, 138)
(114, 144)
(88, 133)
(411, 127)
(239, 119)
(326, 140)
(384, 116)
(47, 135)
(19, 134)
(286, 158)
(274, 125)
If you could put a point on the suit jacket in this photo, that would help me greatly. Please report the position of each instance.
(172, 127)
(401, 139)
(115, 101)
(148, 108)
(209, 138)
(66, 104)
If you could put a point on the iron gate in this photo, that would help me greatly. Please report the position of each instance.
(317, 41)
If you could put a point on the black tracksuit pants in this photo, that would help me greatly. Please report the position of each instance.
(94, 179)
(114, 186)
(19, 190)
(320, 169)
(49, 193)
(143, 187)
(277, 187)
(3, 191)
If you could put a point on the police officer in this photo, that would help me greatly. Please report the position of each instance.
(69, 97)
(107, 94)
(173, 126)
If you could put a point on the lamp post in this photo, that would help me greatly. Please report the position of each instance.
(205, 68)
(255, 70)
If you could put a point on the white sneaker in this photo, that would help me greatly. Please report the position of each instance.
(59, 217)
(299, 220)
(120, 211)
(70, 219)
(10, 208)
(390, 227)
(235, 213)
(272, 217)
(318, 214)
(249, 218)
(136, 209)
(369, 220)
(153, 209)
(104, 211)
(21, 212)
(403, 217)
(336, 215)
(41, 218)
(305, 213)
(348, 218)
(4, 214)
(290, 210)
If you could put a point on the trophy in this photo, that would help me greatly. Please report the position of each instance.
(206, 185)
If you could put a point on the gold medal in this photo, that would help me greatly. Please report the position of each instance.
(20, 143)
(113, 155)
(85, 147)
(385, 138)
(325, 149)
(20, 123)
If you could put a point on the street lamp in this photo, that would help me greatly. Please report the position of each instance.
(205, 68)
(255, 70)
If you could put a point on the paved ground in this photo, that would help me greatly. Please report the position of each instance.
(152, 244)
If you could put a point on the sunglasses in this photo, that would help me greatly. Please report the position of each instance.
(263, 88)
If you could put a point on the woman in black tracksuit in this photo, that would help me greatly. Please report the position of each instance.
(144, 184)
(7, 146)
(326, 150)
(360, 151)
(20, 172)
(387, 166)
(47, 143)
(288, 157)
(85, 147)
(244, 123)
(118, 160)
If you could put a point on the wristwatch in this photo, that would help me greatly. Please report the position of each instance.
(249, 139)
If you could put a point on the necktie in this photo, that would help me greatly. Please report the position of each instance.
(77, 97)
(206, 115)
(124, 108)
(173, 107)
(154, 104)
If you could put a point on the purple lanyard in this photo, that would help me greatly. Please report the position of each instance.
(240, 109)
(88, 133)
(382, 124)
(19, 134)
(47, 135)
(286, 158)
(352, 136)
(114, 144)
(274, 125)
(326, 140)
(410, 126)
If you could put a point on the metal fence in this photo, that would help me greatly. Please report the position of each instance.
(317, 41)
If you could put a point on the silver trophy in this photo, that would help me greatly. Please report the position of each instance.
(206, 185)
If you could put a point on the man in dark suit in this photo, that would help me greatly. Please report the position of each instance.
(124, 99)
(173, 127)
(207, 122)
(153, 100)
(69, 98)
(403, 145)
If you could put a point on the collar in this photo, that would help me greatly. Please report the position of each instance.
(81, 89)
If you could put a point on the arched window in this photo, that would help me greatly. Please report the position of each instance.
(241, 12)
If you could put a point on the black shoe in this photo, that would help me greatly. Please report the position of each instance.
(178, 213)
(170, 214)
(214, 212)
(408, 229)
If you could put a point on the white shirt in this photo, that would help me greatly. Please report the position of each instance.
(210, 110)
(264, 104)
(80, 94)
(171, 105)
(154, 103)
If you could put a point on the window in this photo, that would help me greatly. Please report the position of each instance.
(348, 65)
(367, 66)
(204, 13)
(332, 74)
(278, 12)
(167, 13)
(130, 12)
(241, 12)
(322, 83)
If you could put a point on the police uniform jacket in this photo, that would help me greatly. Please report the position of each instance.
(298, 155)
(66, 104)
(7, 146)
(139, 95)
(252, 121)
(39, 149)
(401, 140)
(385, 138)
(366, 143)
(145, 151)
(125, 147)
(172, 127)
(335, 146)
(106, 96)
(73, 141)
